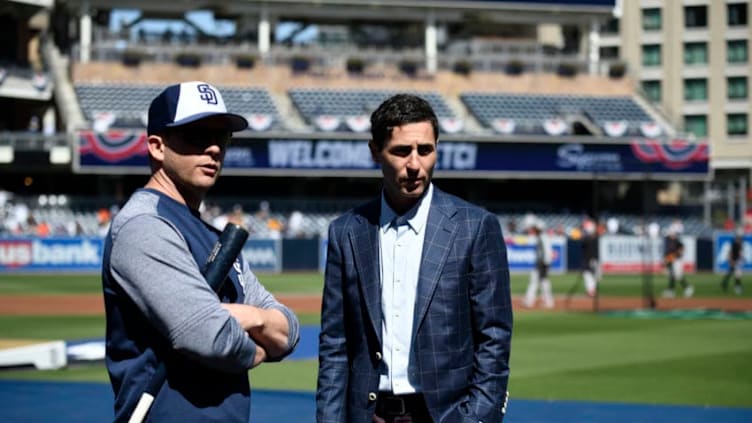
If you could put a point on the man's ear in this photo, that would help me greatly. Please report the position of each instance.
(375, 152)
(156, 146)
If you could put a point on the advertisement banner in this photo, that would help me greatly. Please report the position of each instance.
(521, 253)
(85, 254)
(50, 254)
(125, 151)
(264, 255)
(722, 247)
(633, 254)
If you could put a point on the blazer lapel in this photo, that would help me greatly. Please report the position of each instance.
(440, 233)
(365, 243)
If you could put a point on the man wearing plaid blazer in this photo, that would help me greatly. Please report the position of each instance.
(416, 319)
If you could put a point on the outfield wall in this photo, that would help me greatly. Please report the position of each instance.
(619, 254)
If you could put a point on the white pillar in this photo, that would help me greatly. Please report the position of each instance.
(264, 33)
(85, 33)
(431, 44)
(594, 41)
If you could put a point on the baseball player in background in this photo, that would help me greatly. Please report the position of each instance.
(674, 261)
(539, 275)
(590, 264)
(735, 263)
(159, 307)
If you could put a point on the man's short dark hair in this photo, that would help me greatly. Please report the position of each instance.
(399, 110)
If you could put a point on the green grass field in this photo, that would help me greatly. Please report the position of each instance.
(555, 355)
(706, 284)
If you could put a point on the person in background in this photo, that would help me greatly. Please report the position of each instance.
(294, 227)
(673, 259)
(735, 263)
(539, 279)
(590, 263)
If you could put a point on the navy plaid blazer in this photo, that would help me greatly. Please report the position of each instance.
(462, 326)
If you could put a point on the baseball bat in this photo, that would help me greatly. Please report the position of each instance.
(218, 264)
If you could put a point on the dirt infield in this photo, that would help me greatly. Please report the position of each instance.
(92, 304)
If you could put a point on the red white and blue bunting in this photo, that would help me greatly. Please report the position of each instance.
(359, 123)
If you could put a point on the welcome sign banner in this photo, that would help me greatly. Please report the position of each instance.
(121, 151)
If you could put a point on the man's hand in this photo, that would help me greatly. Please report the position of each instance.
(260, 355)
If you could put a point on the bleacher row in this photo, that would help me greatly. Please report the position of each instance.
(108, 105)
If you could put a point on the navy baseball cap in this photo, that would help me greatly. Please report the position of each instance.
(181, 104)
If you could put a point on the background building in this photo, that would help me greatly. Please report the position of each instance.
(691, 59)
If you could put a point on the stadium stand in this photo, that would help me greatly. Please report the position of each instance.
(108, 105)
(333, 110)
(534, 113)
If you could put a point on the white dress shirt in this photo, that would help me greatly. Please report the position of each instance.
(401, 248)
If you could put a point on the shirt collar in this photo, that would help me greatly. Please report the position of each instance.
(417, 216)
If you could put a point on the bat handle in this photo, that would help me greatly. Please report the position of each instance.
(142, 408)
(147, 398)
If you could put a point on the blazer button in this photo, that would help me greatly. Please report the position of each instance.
(378, 356)
(372, 396)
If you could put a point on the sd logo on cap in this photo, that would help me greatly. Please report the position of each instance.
(188, 102)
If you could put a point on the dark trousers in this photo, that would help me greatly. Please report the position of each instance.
(402, 408)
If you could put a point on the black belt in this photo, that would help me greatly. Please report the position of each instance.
(389, 404)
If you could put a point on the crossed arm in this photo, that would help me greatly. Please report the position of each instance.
(272, 326)
(269, 329)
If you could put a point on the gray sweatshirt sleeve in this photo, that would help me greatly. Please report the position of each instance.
(257, 295)
(150, 260)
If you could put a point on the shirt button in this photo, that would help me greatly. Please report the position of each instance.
(378, 355)
(371, 396)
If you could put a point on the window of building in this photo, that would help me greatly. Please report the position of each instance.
(651, 19)
(651, 55)
(736, 51)
(611, 26)
(695, 53)
(736, 124)
(609, 52)
(737, 87)
(695, 16)
(652, 90)
(736, 14)
(696, 89)
(697, 125)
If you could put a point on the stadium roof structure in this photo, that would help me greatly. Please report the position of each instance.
(555, 11)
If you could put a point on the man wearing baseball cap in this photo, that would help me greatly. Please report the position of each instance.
(158, 306)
